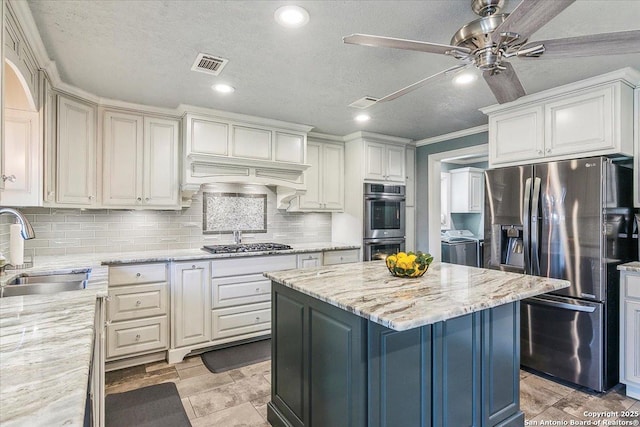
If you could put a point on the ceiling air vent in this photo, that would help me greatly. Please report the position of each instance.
(363, 103)
(209, 64)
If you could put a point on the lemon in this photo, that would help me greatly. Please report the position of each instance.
(401, 255)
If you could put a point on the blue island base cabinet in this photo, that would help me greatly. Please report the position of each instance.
(332, 368)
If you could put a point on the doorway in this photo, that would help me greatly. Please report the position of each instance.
(474, 154)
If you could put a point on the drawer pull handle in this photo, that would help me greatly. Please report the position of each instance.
(138, 337)
(138, 274)
(138, 303)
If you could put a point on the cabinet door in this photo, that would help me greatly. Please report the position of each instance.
(76, 153)
(206, 137)
(410, 182)
(161, 183)
(312, 176)
(476, 193)
(580, 123)
(191, 303)
(332, 176)
(22, 161)
(251, 143)
(459, 182)
(288, 148)
(631, 342)
(309, 260)
(516, 136)
(122, 159)
(374, 161)
(394, 157)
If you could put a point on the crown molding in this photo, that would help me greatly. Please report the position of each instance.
(453, 135)
(372, 136)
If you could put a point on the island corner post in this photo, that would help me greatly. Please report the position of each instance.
(334, 368)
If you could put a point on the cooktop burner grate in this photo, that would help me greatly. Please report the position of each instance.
(245, 247)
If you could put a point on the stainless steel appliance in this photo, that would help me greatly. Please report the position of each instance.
(245, 247)
(380, 248)
(460, 247)
(384, 211)
(570, 220)
(384, 220)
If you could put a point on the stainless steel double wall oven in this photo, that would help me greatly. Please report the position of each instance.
(384, 220)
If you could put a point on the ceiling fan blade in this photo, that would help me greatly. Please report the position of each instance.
(393, 43)
(529, 16)
(591, 45)
(418, 84)
(505, 85)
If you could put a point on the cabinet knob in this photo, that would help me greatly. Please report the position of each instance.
(139, 199)
(257, 319)
(540, 152)
(193, 266)
(108, 298)
(138, 337)
(147, 199)
(548, 150)
(257, 290)
(10, 178)
(90, 197)
(138, 274)
(138, 303)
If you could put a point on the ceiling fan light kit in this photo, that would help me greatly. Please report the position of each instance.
(486, 42)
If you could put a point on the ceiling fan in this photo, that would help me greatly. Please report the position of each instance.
(487, 42)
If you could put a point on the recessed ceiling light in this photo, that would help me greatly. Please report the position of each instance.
(465, 78)
(291, 16)
(223, 88)
(362, 118)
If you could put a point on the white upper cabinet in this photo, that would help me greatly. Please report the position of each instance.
(140, 161)
(586, 118)
(384, 162)
(207, 137)
(288, 148)
(251, 143)
(75, 164)
(22, 159)
(324, 179)
(467, 190)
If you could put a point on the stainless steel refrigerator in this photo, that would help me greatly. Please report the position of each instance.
(569, 220)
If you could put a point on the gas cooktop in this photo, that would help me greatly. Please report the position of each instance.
(245, 247)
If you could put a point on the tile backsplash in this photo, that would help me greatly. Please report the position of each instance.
(73, 231)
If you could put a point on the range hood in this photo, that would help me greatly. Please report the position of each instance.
(287, 178)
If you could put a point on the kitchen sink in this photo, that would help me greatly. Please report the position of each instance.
(36, 284)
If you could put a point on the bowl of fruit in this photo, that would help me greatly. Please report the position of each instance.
(408, 264)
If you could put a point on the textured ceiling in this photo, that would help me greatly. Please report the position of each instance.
(142, 52)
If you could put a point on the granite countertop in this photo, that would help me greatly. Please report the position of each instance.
(630, 266)
(46, 341)
(445, 291)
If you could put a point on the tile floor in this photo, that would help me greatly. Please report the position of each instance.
(239, 397)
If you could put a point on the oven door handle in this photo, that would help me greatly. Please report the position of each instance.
(392, 198)
(390, 241)
(557, 304)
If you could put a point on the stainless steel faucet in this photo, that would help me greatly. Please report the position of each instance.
(27, 231)
(237, 236)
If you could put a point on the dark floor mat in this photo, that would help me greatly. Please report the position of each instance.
(154, 406)
(237, 356)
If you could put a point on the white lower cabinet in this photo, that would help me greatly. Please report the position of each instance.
(310, 260)
(630, 332)
(341, 256)
(241, 320)
(137, 310)
(191, 303)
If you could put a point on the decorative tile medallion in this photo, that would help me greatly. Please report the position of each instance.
(226, 212)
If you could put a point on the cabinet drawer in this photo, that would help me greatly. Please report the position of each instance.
(632, 286)
(251, 265)
(245, 289)
(134, 302)
(341, 257)
(137, 336)
(139, 273)
(229, 322)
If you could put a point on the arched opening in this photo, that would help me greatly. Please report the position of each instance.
(17, 95)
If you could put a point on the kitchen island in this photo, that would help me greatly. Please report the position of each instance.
(354, 346)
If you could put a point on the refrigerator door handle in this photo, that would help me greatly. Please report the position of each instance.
(526, 221)
(573, 307)
(535, 251)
